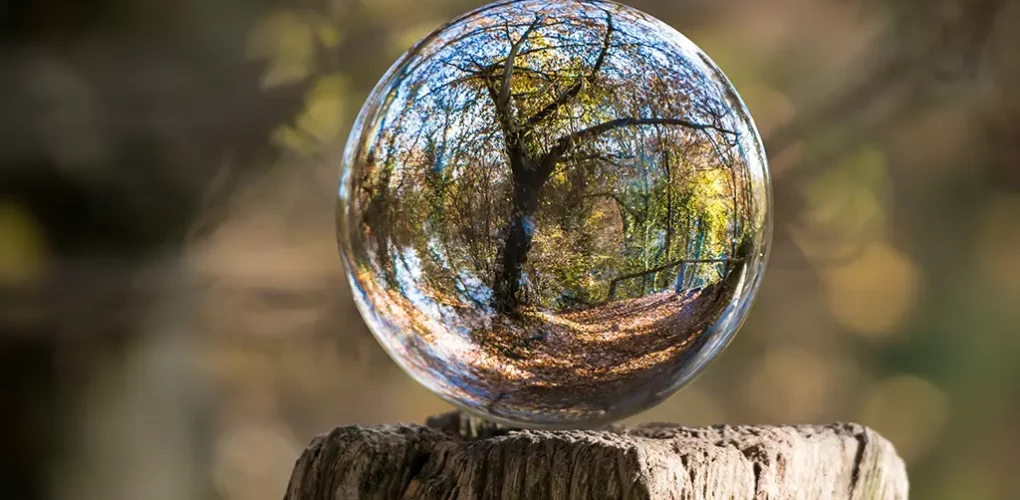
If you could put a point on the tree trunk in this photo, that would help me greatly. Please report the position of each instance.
(528, 181)
(681, 277)
(669, 207)
(652, 461)
(509, 291)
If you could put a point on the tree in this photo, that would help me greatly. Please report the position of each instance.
(514, 123)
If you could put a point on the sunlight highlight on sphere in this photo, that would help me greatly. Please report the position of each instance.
(554, 213)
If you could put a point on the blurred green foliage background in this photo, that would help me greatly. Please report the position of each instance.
(174, 319)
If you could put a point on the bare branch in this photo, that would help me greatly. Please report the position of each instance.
(597, 130)
(576, 88)
(616, 281)
(504, 90)
(565, 143)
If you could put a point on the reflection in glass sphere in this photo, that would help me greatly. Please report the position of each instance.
(554, 213)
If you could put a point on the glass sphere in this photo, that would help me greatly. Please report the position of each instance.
(554, 213)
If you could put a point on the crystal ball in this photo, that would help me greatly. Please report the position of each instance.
(554, 213)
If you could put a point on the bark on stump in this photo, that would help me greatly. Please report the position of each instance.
(450, 459)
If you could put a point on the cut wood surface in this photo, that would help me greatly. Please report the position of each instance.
(449, 459)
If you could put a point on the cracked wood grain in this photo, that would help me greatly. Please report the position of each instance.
(449, 460)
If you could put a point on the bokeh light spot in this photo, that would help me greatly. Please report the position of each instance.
(320, 122)
(287, 42)
(909, 410)
(253, 460)
(23, 246)
(874, 292)
(792, 384)
(997, 246)
(692, 406)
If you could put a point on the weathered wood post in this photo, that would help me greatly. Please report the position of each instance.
(450, 459)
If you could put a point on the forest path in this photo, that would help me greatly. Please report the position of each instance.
(584, 360)
(600, 355)
(608, 339)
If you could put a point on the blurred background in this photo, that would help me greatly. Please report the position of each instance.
(174, 318)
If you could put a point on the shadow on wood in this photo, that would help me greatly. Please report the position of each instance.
(652, 461)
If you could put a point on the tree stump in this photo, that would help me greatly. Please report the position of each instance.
(451, 459)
